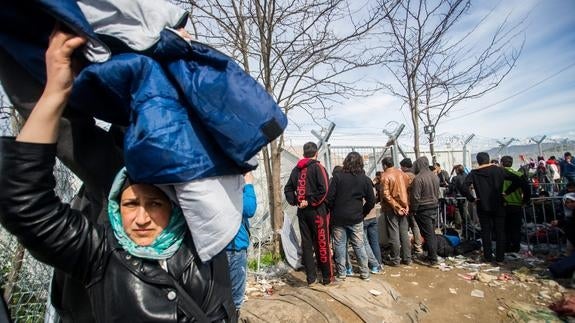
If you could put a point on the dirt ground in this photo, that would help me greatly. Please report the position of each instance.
(415, 293)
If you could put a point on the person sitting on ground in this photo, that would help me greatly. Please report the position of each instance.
(141, 266)
(569, 188)
(565, 267)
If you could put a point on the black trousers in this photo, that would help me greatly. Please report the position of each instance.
(491, 221)
(426, 222)
(513, 222)
(315, 239)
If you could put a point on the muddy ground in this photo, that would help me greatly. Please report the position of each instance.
(415, 293)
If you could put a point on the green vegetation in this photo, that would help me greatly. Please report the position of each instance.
(267, 259)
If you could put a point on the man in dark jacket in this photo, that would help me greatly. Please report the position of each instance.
(567, 167)
(487, 181)
(307, 189)
(455, 189)
(442, 174)
(423, 202)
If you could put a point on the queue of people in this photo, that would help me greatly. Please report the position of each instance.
(342, 207)
(410, 198)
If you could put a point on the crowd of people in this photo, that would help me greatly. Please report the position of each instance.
(409, 198)
(343, 207)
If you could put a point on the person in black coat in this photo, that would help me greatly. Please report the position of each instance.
(350, 198)
(142, 266)
(455, 189)
(487, 181)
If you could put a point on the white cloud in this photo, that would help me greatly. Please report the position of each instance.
(544, 105)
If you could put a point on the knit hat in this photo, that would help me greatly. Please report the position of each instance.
(568, 196)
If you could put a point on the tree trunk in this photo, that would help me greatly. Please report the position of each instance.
(276, 206)
(432, 147)
(415, 122)
(272, 164)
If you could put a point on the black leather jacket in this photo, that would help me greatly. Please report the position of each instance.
(121, 287)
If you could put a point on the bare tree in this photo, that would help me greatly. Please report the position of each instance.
(436, 71)
(302, 51)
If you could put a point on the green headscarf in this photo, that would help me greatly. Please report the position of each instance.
(165, 244)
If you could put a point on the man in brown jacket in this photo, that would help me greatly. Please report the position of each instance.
(394, 204)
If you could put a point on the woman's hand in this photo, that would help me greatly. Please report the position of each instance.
(249, 178)
(60, 75)
(43, 123)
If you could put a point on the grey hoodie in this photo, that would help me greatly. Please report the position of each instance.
(425, 187)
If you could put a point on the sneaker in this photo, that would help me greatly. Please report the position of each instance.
(374, 270)
(341, 277)
(406, 262)
(391, 263)
(314, 284)
(349, 272)
(327, 281)
(498, 263)
(365, 278)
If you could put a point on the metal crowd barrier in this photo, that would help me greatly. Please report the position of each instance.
(538, 232)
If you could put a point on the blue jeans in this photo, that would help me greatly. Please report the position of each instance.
(371, 242)
(238, 261)
(340, 235)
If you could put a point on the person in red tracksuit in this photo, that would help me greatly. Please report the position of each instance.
(307, 189)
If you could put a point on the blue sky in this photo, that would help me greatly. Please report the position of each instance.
(536, 99)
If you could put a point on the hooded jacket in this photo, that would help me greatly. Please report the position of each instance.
(487, 181)
(308, 181)
(425, 187)
(121, 287)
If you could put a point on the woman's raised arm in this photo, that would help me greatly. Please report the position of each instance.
(42, 124)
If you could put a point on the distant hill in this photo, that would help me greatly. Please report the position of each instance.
(531, 150)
